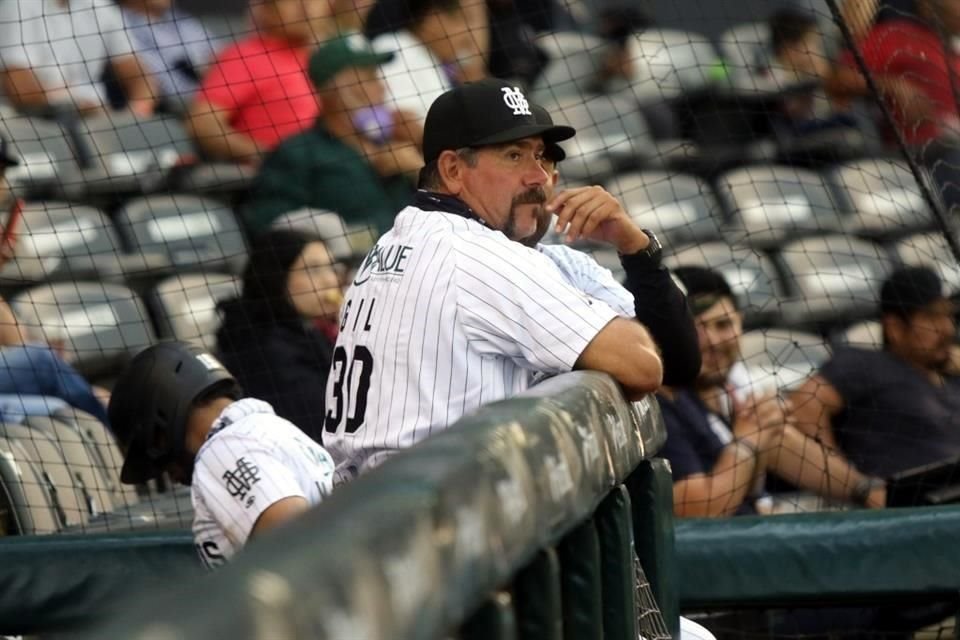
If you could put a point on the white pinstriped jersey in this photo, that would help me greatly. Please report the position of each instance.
(445, 315)
(585, 274)
(252, 458)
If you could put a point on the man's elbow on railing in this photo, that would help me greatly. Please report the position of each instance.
(624, 350)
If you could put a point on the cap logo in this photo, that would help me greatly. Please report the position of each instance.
(208, 361)
(514, 99)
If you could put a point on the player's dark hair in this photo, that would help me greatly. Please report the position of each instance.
(788, 27)
(704, 287)
(430, 173)
(226, 389)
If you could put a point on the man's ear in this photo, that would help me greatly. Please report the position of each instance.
(555, 177)
(450, 168)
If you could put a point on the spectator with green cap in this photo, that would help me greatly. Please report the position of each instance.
(359, 160)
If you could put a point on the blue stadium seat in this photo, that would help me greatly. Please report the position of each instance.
(101, 325)
(833, 279)
(749, 273)
(680, 208)
(60, 241)
(47, 165)
(780, 359)
(769, 204)
(193, 232)
(185, 306)
(882, 197)
(931, 249)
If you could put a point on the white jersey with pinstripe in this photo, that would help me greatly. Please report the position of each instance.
(445, 315)
(585, 274)
(252, 458)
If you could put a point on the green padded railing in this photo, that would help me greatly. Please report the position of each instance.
(477, 531)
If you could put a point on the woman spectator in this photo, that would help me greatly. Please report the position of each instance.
(277, 337)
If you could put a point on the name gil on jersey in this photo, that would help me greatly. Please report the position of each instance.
(388, 260)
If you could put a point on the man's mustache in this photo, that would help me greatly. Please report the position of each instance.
(535, 196)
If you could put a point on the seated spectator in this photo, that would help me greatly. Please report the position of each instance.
(897, 408)
(359, 160)
(914, 69)
(616, 68)
(56, 52)
(440, 47)
(721, 445)
(271, 337)
(173, 46)
(257, 93)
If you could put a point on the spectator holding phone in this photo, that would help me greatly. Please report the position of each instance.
(360, 159)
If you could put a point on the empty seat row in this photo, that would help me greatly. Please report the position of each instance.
(763, 206)
(102, 325)
(150, 238)
(113, 156)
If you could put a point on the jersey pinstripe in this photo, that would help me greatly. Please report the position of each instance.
(585, 274)
(252, 458)
(445, 315)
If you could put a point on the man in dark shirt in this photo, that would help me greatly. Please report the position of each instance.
(359, 160)
(897, 408)
(719, 444)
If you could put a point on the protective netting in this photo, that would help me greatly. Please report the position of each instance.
(804, 152)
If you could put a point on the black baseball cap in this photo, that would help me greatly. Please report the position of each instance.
(7, 159)
(553, 151)
(910, 289)
(482, 113)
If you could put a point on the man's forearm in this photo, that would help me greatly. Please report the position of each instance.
(662, 308)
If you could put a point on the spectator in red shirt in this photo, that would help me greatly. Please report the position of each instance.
(258, 92)
(915, 69)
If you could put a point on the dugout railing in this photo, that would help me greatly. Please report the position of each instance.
(532, 518)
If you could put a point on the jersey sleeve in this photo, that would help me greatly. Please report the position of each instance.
(514, 302)
(678, 449)
(238, 479)
(228, 83)
(586, 274)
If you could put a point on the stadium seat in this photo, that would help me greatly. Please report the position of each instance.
(82, 459)
(769, 204)
(883, 198)
(47, 163)
(669, 63)
(130, 155)
(105, 452)
(195, 233)
(744, 48)
(750, 274)
(611, 133)
(931, 249)
(834, 279)
(61, 241)
(344, 241)
(778, 359)
(214, 179)
(864, 335)
(681, 208)
(101, 325)
(74, 502)
(186, 305)
(572, 70)
(25, 496)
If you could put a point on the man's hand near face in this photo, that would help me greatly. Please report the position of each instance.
(592, 213)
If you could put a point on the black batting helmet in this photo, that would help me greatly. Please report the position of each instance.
(152, 400)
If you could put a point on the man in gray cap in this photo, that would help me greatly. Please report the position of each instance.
(896, 408)
(447, 313)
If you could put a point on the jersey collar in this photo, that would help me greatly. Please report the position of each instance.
(236, 411)
(432, 201)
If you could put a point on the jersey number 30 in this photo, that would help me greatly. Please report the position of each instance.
(345, 392)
